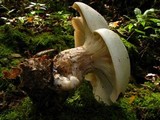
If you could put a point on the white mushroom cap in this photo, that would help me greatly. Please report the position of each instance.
(112, 65)
(110, 58)
(88, 21)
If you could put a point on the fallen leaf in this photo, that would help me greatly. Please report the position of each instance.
(30, 19)
(131, 99)
(114, 24)
(12, 74)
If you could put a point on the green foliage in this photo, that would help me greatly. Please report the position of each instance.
(38, 18)
(81, 96)
(142, 102)
(21, 112)
(144, 26)
(43, 26)
(14, 39)
(28, 32)
(149, 100)
(141, 36)
(49, 40)
(84, 106)
(127, 109)
(18, 39)
(4, 50)
(81, 105)
(136, 103)
(147, 105)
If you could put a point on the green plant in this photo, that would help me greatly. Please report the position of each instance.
(145, 24)
(37, 18)
(21, 112)
(141, 36)
(147, 105)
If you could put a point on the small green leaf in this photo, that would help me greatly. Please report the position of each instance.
(157, 31)
(140, 18)
(139, 31)
(149, 11)
(130, 26)
(33, 12)
(137, 11)
(147, 27)
(158, 24)
(155, 20)
(143, 23)
(39, 11)
(129, 45)
(154, 35)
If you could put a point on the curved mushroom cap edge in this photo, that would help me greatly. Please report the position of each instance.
(88, 21)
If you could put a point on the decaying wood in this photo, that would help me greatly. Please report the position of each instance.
(46, 80)
(36, 76)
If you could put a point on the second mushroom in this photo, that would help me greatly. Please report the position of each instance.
(99, 56)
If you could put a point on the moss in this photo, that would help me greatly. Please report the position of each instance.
(148, 107)
(49, 40)
(81, 105)
(18, 113)
(4, 51)
(143, 102)
(13, 38)
(127, 108)
(16, 40)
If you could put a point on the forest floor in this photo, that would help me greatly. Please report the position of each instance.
(139, 102)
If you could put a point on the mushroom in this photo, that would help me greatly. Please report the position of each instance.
(89, 17)
(99, 56)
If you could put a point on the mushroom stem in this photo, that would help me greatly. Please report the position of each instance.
(70, 66)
